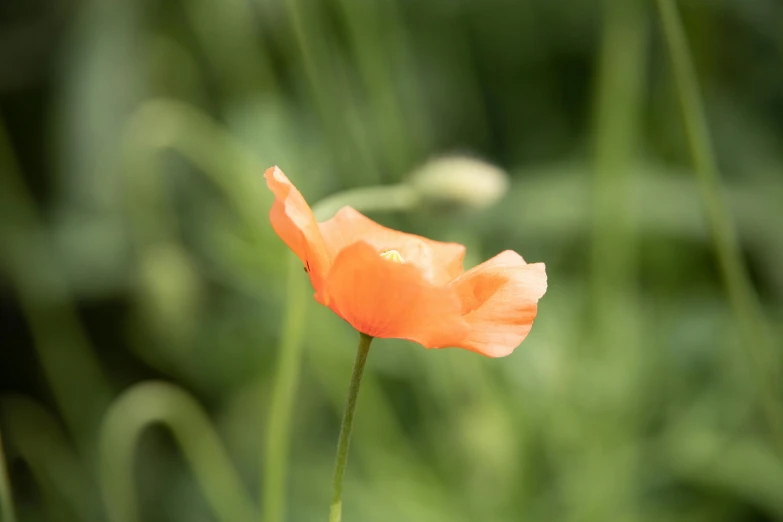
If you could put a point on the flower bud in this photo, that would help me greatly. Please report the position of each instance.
(459, 181)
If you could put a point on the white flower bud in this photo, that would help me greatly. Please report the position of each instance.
(459, 181)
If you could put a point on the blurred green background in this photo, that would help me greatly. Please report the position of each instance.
(141, 281)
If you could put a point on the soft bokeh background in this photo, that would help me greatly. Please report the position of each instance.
(135, 246)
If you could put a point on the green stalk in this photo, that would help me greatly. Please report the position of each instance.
(379, 198)
(613, 337)
(72, 372)
(278, 438)
(341, 460)
(38, 440)
(744, 301)
(7, 513)
(620, 91)
(153, 403)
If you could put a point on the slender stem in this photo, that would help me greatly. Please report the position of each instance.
(377, 198)
(622, 66)
(78, 384)
(335, 512)
(40, 441)
(621, 86)
(158, 403)
(275, 456)
(6, 500)
(750, 317)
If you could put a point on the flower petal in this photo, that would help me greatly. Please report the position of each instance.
(499, 302)
(438, 262)
(294, 222)
(383, 298)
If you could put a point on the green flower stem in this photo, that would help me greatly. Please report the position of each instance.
(6, 500)
(73, 373)
(614, 291)
(379, 198)
(335, 512)
(158, 403)
(747, 310)
(278, 438)
(39, 440)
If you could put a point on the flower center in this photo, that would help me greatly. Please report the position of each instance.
(392, 255)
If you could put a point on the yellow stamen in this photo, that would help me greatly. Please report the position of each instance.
(392, 255)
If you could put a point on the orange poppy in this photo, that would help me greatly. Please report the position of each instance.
(390, 284)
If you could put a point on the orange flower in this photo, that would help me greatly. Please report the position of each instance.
(390, 284)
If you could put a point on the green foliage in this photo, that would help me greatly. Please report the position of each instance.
(649, 387)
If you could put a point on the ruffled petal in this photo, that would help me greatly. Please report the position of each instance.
(386, 299)
(295, 223)
(499, 302)
(438, 262)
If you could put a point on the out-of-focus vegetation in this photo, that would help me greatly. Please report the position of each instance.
(142, 284)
